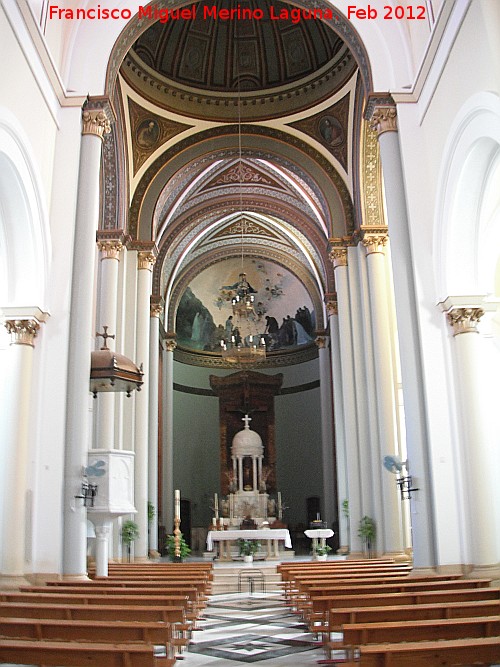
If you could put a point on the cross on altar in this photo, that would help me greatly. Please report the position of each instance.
(104, 335)
(246, 419)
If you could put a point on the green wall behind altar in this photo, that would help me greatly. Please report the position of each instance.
(298, 439)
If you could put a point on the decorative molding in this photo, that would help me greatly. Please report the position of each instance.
(22, 332)
(272, 360)
(371, 191)
(338, 256)
(464, 320)
(156, 307)
(332, 307)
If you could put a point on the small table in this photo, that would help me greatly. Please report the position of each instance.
(318, 536)
(225, 537)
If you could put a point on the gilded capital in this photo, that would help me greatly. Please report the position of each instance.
(145, 260)
(464, 320)
(338, 256)
(374, 240)
(95, 121)
(155, 309)
(170, 343)
(22, 332)
(332, 307)
(321, 342)
(110, 249)
(384, 119)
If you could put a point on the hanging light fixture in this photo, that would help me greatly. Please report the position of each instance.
(244, 345)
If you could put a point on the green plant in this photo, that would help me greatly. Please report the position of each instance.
(151, 511)
(129, 533)
(367, 532)
(345, 508)
(322, 551)
(248, 547)
(184, 549)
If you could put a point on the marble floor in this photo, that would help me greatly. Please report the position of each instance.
(251, 627)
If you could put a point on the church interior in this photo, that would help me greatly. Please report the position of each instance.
(249, 279)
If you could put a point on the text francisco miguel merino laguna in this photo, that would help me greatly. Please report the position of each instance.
(163, 15)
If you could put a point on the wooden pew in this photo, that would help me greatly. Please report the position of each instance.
(479, 651)
(339, 617)
(356, 634)
(150, 632)
(94, 612)
(76, 654)
(94, 598)
(322, 605)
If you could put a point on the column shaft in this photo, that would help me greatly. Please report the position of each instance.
(168, 434)
(154, 362)
(145, 263)
(81, 339)
(325, 382)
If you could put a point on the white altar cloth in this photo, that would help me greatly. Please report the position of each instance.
(266, 534)
(319, 533)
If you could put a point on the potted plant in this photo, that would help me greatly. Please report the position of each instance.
(367, 532)
(248, 548)
(130, 532)
(321, 552)
(184, 549)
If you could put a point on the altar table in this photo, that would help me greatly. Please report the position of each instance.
(269, 535)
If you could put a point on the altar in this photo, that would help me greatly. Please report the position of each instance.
(269, 535)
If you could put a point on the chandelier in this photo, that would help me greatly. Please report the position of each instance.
(243, 344)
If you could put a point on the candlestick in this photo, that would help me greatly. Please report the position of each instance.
(216, 505)
(280, 513)
(177, 498)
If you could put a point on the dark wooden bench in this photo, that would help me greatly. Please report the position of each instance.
(76, 654)
(480, 651)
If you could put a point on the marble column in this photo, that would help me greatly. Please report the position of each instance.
(168, 431)
(102, 535)
(16, 405)
(96, 122)
(325, 385)
(145, 263)
(382, 114)
(154, 364)
(391, 540)
(479, 443)
(338, 255)
(108, 294)
(339, 428)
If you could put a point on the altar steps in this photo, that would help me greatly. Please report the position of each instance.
(245, 577)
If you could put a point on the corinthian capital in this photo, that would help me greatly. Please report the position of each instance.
(96, 122)
(145, 260)
(464, 320)
(170, 342)
(321, 342)
(374, 239)
(381, 113)
(110, 249)
(338, 256)
(332, 307)
(22, 332)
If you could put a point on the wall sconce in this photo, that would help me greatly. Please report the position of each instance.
(405, 487)
(89, 492)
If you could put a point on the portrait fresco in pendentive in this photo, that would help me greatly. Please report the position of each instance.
(282, 311)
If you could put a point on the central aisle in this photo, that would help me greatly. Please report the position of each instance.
(251, 627)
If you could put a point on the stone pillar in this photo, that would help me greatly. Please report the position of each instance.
(168, 431)
(325, 385)
(154, 364)
(102, 533)
(338, 411)
(480, 446)
(108, 293)
(145, 263)
(96, 122)
(15, 444)
(338, 255)
(390, 522)
(382, 114)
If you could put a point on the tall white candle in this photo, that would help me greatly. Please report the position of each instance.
(177, 498)
(280, 514)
